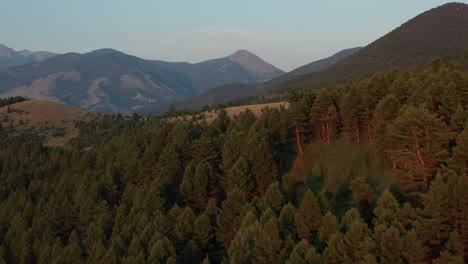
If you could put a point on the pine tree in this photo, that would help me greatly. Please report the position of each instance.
(161, 251)
(352, 106)
(335, 251)
(434, 221)
(233, 146)
(268, 246)
(169, 166)
(308, 217)
(240, 177)
(259, 155)
(222, 121)
(355, 246)
(453, 251)
(273, 198)
(387, 211)
(417, 142)
(203, 233)
(299, 111)
(204, 149)
(362, 192)
(458, 161)
(240, 250)
(458, 119)
(183, 227)
(386, 111)
(389, 244)
(413, 251)
(198, 184)
(73, 253)
(286, 221)
(328, 227)
(358, 242)
(325, 115)
(230, 216)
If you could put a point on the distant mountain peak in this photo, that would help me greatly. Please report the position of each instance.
(252, 62)
(242, 52)
(10, 57)
(25, 52)
(6, 52)
(104, 51)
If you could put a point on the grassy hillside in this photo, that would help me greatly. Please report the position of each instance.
(232, 112)
(53, 122)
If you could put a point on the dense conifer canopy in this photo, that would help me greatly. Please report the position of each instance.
(371, 171)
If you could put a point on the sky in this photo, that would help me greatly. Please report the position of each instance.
(287, 34)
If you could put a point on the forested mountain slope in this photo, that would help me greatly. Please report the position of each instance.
(441, 32)
(373, 171)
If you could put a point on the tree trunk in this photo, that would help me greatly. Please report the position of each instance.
(369, 131)
(298, 141)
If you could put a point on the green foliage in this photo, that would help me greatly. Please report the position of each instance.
(197, 184)
(149, 190)
(308, 217)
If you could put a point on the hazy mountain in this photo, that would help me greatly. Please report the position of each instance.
(110, 81)
(10, 58)
(240, 67)
(439, 32)
(234, 91)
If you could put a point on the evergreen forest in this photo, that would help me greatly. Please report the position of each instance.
(371, 171)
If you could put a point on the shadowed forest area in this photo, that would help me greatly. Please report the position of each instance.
(372, 171)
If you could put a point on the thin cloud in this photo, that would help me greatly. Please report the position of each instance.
(216, 32)
(197, 44)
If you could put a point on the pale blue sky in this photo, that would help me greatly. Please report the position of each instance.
(287, 34)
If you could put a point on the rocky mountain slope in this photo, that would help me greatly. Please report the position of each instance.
(107, 80)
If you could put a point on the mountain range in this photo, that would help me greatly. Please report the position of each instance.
(10, 58)
(107, 80)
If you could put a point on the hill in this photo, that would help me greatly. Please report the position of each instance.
(10, 58)
(439, 32)
(107, 80)
(53, 122)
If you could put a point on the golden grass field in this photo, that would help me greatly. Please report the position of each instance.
(236, 110)
(53, 121)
